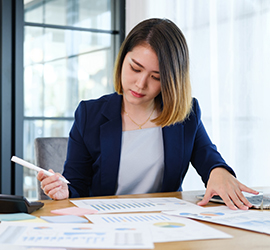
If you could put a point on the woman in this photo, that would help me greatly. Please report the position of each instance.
(142, 138)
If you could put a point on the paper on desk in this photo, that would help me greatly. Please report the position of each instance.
(20, 217)
(16, 217)
(74, 211)
(163, 227)
(132, 205)
(64, 219)
(7, 247)
(258, 220)
(36, 220)
(74, 236)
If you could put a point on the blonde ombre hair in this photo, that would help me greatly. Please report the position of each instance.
(169, 43)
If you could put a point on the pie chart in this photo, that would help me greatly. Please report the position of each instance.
(211, 214)
(169, 224)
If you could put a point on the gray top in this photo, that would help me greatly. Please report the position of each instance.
(141, 162)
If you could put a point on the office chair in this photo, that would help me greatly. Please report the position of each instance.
(50, 153)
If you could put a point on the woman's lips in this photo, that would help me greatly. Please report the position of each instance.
(136, 94)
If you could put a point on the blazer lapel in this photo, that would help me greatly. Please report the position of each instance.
(110, 143)
(173, 139)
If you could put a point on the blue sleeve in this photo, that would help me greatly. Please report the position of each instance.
(205, 156)
(78, 165)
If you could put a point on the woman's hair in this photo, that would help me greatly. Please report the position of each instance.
(169, 43)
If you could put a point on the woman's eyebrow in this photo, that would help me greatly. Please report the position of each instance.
(133, 60)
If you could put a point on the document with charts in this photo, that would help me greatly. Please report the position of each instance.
(164, 228)
(253, 220)
(83, 235)
(132, 205)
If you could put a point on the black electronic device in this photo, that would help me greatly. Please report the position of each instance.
(17, 204)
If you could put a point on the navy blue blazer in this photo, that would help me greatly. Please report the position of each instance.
(94, 148)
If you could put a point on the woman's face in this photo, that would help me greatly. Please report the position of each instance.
(140, 76)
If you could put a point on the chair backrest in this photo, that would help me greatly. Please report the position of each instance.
(50, 153)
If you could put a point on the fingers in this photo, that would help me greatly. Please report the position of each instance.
(208, 195)
(247, 189)
(47, 189)
(52, 186)
(226, 200)
(238, 197)
(53, 192)
(41, 175)
(49, 184)
(233, 201)
(205, 199)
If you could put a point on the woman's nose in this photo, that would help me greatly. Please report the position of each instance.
(142, 82)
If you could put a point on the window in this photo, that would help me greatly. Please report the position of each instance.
(69, 53)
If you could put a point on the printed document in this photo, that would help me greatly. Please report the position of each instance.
(132, 205)
(74, 236)
(254, 220)
(164, 228)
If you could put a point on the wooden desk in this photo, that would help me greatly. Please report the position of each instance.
(242, 239)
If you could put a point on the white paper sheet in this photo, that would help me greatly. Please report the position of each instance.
(164, 228)
(254, 220)
(132, 205)
(74, 236)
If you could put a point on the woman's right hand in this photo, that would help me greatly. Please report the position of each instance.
(52, 186)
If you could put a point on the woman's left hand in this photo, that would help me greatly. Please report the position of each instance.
(223, 183)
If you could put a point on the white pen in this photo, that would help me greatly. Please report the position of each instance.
(34, 167)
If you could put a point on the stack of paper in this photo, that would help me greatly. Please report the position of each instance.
(112, 226)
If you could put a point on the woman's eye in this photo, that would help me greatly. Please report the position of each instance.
(156, 78)
(135, 70)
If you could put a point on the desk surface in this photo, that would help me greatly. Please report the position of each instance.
(242, 239)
